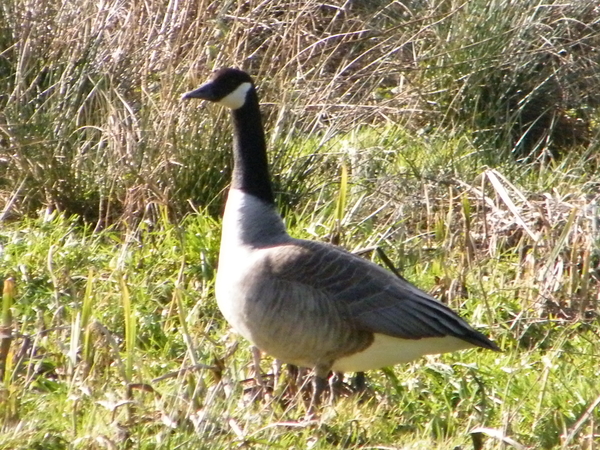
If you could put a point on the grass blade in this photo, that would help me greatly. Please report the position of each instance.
(6, 337)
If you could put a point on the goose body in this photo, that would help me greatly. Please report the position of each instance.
(305, 302)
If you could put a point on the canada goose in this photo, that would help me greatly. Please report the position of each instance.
(304, 302)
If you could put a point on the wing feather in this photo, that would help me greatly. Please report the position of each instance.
(370, 297)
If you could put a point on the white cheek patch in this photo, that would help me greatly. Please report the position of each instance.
(237, 98)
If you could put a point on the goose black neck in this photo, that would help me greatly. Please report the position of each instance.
(250, 165)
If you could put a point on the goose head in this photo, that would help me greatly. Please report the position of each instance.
(234, 89)
(228, 87)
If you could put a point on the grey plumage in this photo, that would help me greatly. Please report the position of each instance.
(305, 302)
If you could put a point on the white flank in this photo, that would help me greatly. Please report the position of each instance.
(387, 351)
(237, 98)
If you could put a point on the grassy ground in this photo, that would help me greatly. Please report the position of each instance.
(109, 230)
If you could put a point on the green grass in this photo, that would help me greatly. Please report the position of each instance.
(103, 316)
(424, 128)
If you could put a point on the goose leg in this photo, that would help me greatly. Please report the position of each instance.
(359, 382)
(319, 385)
(256, 355)
(293, 373)
(293, 378)
(336, 386)
(276, 374)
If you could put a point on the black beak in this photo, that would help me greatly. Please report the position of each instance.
(204, 92)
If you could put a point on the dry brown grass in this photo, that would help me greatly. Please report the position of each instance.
(91, 123)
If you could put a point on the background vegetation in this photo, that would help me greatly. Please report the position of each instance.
(460, 136)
